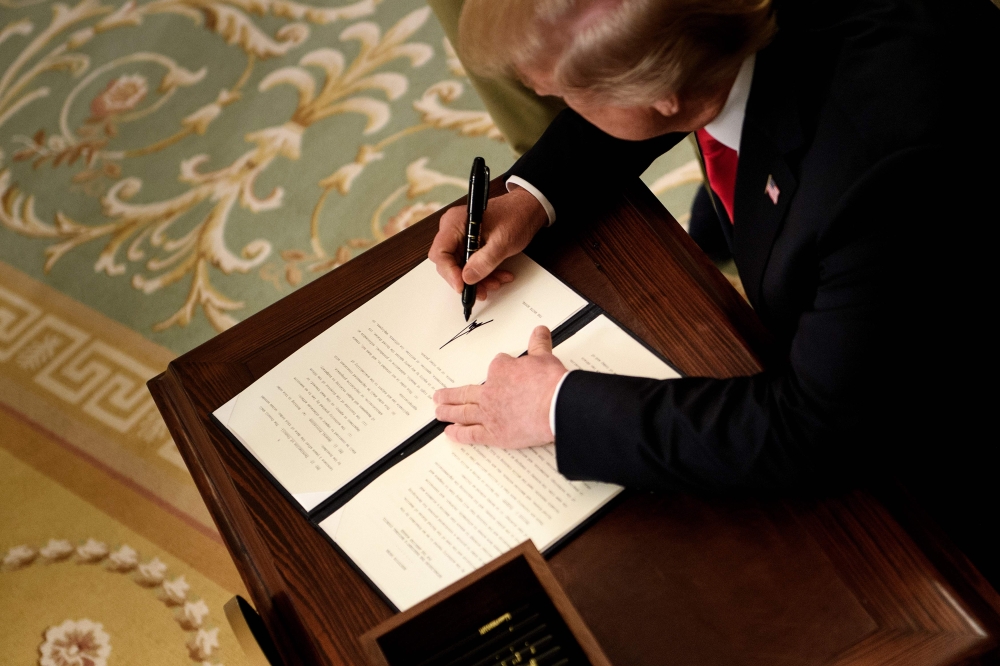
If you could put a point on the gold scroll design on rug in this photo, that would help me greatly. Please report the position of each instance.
(140, 224)
(143, 229)
(79, 369)
(420, 180)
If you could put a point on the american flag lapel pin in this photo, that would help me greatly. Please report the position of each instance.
(771, 189)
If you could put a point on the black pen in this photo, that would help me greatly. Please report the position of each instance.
(479, 189)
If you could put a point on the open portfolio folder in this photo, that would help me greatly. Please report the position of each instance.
(345, 428)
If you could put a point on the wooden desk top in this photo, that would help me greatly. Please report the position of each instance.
(660, 579)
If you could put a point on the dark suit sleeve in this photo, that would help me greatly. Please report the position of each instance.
(820, 415)
(574, 162)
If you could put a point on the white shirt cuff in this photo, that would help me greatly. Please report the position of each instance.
(535, 192)
(552, 405)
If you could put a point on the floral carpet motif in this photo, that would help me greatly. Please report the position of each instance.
(168, 168)
(242, 143)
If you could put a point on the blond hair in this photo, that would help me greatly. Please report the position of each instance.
(630, 52)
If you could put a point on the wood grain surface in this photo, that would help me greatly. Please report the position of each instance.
(509, 581)
(660, 579)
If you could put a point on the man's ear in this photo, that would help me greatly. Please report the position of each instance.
(668, 106)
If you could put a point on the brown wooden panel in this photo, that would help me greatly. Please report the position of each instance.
(698, 268)
(921, 618)
(497, 587)
(236, 522)
(764, 582)
(741, 583)
(660, 578)
(324, 602)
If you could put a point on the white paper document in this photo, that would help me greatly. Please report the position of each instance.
(450, 508)
(365, 385)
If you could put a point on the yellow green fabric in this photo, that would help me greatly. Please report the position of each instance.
(519, 114)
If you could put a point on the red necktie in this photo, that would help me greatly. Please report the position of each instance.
(720, 166)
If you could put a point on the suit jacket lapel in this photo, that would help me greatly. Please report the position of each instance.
(765, 183)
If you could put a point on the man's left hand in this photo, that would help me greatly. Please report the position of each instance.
(511, 410)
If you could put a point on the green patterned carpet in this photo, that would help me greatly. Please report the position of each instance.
(179, 164)
(168, 168)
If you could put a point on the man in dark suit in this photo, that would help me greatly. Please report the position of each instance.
(851, 158)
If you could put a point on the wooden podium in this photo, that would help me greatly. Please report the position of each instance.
(660, 579)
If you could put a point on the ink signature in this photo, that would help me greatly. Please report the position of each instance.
(465, 331)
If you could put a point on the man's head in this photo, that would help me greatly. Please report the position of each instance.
(634, 68)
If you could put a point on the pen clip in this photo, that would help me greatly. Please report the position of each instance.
(486, 188)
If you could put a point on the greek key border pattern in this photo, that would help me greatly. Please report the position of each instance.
(81, 370)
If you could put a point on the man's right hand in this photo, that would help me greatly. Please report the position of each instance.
(510, 222)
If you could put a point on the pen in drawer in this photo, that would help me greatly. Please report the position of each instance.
(519, 649)
(519, 636)
(486, 635)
